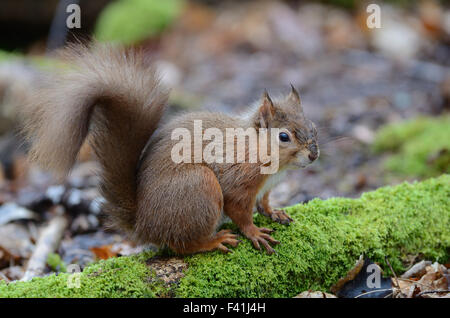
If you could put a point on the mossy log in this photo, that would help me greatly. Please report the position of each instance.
(322, 244)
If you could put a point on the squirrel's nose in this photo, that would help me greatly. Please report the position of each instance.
(312, 156)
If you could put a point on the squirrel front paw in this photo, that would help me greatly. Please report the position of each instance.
(279, 216)
(260, 235)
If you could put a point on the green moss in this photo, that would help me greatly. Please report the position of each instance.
(326, 239)
(131, 21)
(56, 263)
(117, 277)
(420, 147)
(322, 244)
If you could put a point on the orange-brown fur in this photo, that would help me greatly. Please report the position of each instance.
(112, 96)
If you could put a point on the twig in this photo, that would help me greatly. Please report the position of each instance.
(373, 291)
(432, 292)
(416, 269)
(392, 270)
(47, 243)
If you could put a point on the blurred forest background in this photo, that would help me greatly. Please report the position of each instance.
(380, 97)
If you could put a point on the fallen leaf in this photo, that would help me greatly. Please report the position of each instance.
(423, 280)
(417, 270)
(103, 252)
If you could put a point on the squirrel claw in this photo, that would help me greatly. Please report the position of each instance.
(266, 230)
(266, 245)
(259, 236)
(281, 217)
(223, 232)
(224, 249)
(226, 237)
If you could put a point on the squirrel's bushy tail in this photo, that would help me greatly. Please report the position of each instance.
(112, 95)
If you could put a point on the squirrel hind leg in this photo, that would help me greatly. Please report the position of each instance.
(181, 210)
(208, 196)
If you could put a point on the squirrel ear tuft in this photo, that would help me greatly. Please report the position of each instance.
(294, 97)
(266, 111)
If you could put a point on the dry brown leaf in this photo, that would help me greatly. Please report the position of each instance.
(431, 16)
(417, 270)
(441, 283)
(427, 281)
(103, 252)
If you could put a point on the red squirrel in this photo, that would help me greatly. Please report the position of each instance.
(112, 97)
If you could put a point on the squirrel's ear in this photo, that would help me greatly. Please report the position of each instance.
(294, 97)
(266, 111)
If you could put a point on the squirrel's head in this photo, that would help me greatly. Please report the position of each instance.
(297, 138)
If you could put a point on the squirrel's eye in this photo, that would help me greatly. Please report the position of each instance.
(284, 137)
